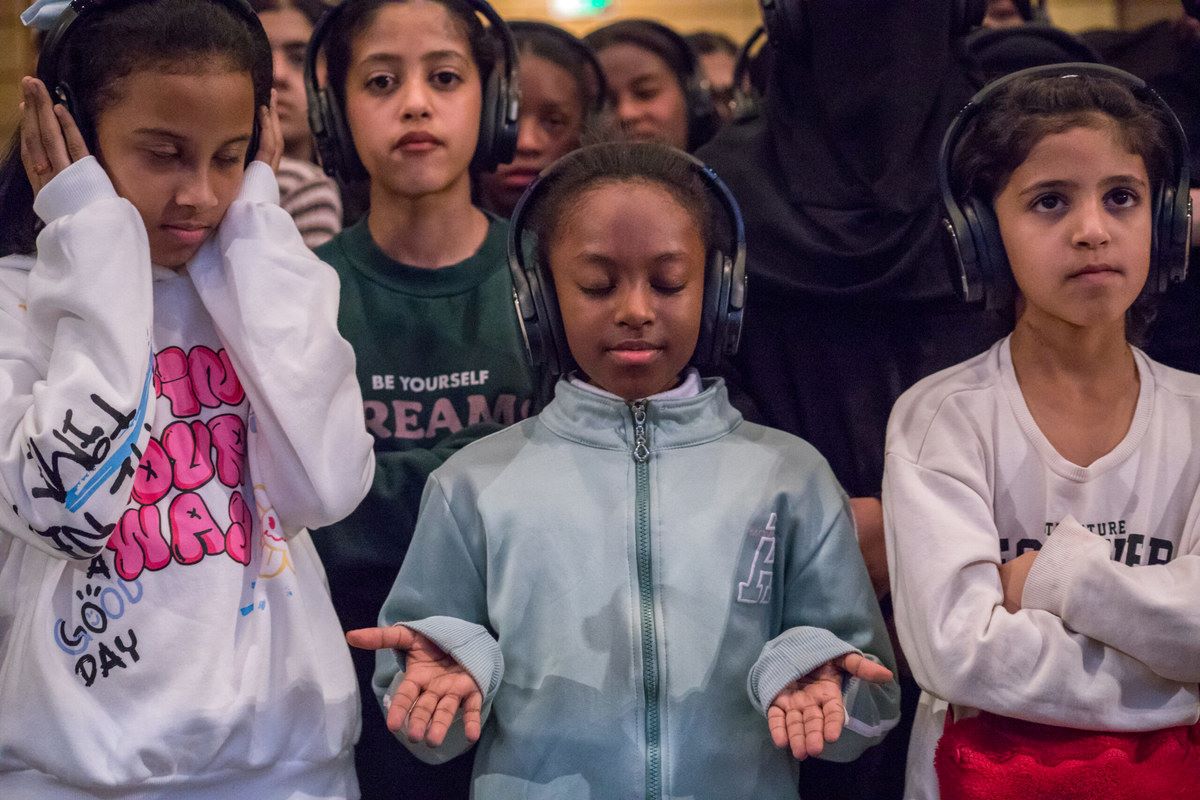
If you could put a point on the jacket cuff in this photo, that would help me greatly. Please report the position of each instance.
(791, 655)
(71, 190)
(470, 645)
(1057, 565)
(259, 184)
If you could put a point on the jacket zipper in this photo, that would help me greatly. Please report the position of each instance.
(641, 457)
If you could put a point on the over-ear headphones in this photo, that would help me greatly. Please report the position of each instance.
(537, 303)
(703, 119)
(980, 268)
(498, 119)
(746, 103)
(599, 85)
(51, 66)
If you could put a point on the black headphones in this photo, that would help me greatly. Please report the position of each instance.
(599, 87)
(497, 122)
(746, 103)
(980, 269)
(703, 120)
(537, 304)
(1192, 7)
(787, 23)
(50, 66)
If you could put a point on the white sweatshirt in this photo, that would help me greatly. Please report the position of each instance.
(1109, 634)
(165, 439)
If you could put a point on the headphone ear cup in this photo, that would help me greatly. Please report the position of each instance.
(1171, 240)
(968, 15)
(556, 351)
(497, 143)
(714, 312)
(995, 275)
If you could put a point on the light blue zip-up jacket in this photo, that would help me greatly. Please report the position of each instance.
(631, 585)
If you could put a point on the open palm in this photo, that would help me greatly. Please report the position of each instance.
(808, 712)
(434, 688)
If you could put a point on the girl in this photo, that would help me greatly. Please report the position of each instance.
(562, 96)
(426, 300)
(1039, 499)
(177, 408)
(305, 192)
(599, 587)
(654, 81)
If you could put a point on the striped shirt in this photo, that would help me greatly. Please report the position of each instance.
(312, 198)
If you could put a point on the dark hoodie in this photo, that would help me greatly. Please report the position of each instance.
(849, 297)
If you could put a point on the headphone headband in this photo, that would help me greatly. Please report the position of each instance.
(520, 27)
(498, 120)
(533, 285)
(974, 233)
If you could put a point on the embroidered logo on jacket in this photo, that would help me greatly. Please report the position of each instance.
(756, 588)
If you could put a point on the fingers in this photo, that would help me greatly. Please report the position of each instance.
(76, 147)
(473, 716)
(50, 134)
(270, 145)
(777, 724)
(443, 717)
(396, 637)
(808, 737)
(861, 667)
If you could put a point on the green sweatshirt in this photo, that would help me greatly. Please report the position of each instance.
(440, 363)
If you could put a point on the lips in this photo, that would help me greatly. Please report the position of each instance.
(187, 233)
(418, 142)
(1097, 270)
(633, 352)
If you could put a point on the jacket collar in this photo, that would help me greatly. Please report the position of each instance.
(596, 421)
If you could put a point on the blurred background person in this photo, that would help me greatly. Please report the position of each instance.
(717, 55)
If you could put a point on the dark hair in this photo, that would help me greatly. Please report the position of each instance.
(311, 9)
(653, 37)
(112, 41)
(1021, 114)
(1024, 112)
(707, 42)
(358, 15)
(536, 40)
(622, 162)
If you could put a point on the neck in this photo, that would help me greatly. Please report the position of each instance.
(429, 231)
(301, 150)
(1059, 352)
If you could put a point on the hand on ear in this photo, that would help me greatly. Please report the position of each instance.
(270, 135)
(50, 139)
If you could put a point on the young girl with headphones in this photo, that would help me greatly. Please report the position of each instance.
(1040, 499)
(655, 83)
(563, 95)
(598, 588)
(418, 93)
(177, 407)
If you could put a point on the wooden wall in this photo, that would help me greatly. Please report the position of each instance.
(736, 18)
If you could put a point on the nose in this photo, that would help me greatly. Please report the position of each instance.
(415, 100)
(196, 190)
(1091, 224)
(531, 140)
(628, 109)
(280, 69)
(635, 306)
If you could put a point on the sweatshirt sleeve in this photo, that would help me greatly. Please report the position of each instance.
(965, 648)
(829, 610)
(441, 591)
(274, 305)
(76, 368)
(1148, 612)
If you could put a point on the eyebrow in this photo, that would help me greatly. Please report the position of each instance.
(163, 133)
(433, 55)
(1112, 180)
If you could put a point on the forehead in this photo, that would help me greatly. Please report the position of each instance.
(1080, 154)
(624, 62)
(630, 217)
(545, 82)
(411, 29)
(201, 105)
(285, 26)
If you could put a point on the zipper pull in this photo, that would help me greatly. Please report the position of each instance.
(641, 453)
